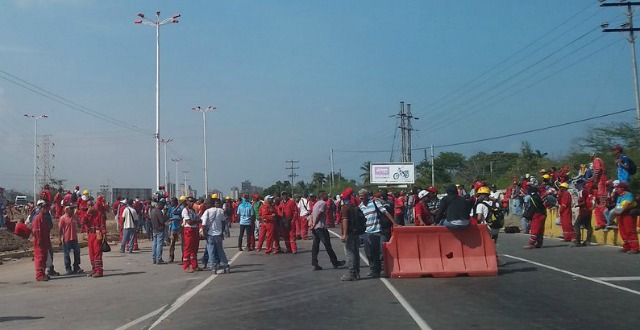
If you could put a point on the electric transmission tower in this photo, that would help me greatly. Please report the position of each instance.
(45, 160)
(406, 128)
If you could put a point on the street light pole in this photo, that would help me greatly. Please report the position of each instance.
(157, 23)
(35, 153)
(176, 160)
(166, 179)
(204, 140)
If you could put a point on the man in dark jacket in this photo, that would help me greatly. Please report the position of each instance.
(453, 211)
(158, 220)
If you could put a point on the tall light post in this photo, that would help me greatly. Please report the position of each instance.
(166, 179)
(157, 23)
(176, 160)
(35, 153)
(204, 140)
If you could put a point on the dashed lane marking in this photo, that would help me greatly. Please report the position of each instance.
(412, 312)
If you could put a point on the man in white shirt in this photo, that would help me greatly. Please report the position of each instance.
(302, 228)
(129, 216)
(212, 225)
(320, 233)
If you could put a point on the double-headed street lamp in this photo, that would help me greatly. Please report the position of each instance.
(35, 153)
(204, 140)
(157, 23)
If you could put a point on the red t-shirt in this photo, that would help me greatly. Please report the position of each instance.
(422, 210)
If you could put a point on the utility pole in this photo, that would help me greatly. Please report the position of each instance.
(403, 129)
(293, 175)
(433, 168)
(333, 184)
(186, 191)
(628, 27)
(176, 185)
(409, 129)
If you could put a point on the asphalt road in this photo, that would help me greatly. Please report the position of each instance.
(555, 287)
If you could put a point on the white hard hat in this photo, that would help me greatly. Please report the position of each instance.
(40, 202)
(422, 193)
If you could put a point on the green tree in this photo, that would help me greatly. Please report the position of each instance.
(366, 172)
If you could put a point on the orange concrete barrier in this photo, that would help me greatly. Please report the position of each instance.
(440, 252)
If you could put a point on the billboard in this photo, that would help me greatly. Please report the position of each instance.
(392, 173)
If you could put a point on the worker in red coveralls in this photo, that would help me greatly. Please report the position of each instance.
(46, 196)
(82, 204)
(400, 209)
(268, 214)
(627, 226)
(537, 213)
(96, 230)
(564, 209)
(57, 202)
(288, 211)
(331, 213)
(22, 230)
(600, 181)
(66, 200)
(190, 221)
(41, 241)
(422, 215)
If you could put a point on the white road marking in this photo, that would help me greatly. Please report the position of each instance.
(412, 312)
(596, 280)
(143, 318)
(177, 304)
(620, 278)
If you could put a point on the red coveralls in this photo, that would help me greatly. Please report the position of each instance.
(268, 215)
(331, 213)
(627, 228)
(57, 202)
(191, 242)
(41, 244)
(600, 180)
(564, 209)
(288, 211)
(421, 210)
(302, 226)
(93, 223)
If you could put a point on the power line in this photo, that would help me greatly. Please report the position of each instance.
(66, 102)
(501, 136)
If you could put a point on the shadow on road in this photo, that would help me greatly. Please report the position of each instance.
(517, 270)
(18, 318)
(124, 274)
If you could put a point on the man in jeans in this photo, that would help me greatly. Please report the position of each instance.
(319, 230)
(349, 238)
(246, 216)
(371, 236)
(129, 217)
(158, 220)
(68, 232)
(212, 225)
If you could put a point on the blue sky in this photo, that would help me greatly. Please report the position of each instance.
(295, 79)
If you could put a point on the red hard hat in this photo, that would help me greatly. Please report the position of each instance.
(432, 189)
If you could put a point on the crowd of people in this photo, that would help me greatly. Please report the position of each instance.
(366, 219)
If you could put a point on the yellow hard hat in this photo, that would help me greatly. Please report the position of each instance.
(227, 198)
(564, 185)
(182, 198)
(86, 192)
(214, 196)
(546, 176)
(484, 190)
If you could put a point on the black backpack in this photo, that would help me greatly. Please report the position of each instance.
(495, 218)
(357, 221)
(632, 169)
